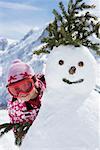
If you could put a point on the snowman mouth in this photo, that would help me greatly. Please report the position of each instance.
(74, 82)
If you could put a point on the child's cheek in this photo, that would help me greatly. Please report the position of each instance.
(27, 98)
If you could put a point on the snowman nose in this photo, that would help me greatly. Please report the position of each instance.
(72, 70)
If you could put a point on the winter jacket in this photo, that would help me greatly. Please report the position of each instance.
(21, 112)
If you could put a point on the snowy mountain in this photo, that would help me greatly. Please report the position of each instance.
(3, 43)
(21, 50)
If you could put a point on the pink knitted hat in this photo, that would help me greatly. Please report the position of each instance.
(19, 70)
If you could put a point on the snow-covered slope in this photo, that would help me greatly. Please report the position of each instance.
(22, 50)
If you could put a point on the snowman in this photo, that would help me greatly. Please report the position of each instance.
(70, 79)
(68, 118)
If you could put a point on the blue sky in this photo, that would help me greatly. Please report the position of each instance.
(17, 17)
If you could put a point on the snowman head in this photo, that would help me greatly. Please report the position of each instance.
(71, 71)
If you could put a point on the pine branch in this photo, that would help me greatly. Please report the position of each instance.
(55, 29)
(57, 15)
(64, 12)
(42, 50)
(89, 44)
(70, 6)
(6, 127)
(97, 29)
(20, 130)
(84, 6)
(68, 28)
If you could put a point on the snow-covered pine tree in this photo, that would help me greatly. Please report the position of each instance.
(72, 27)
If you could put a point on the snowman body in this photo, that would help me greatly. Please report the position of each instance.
(70, 77)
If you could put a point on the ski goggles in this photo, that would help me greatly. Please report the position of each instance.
(24, 86)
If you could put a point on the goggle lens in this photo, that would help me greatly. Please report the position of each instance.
(23, 86)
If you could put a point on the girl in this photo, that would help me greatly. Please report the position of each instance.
(26, 90)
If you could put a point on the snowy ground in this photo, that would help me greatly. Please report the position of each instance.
(7, 141)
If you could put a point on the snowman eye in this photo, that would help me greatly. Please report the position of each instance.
(81, 64)
(61, 62)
